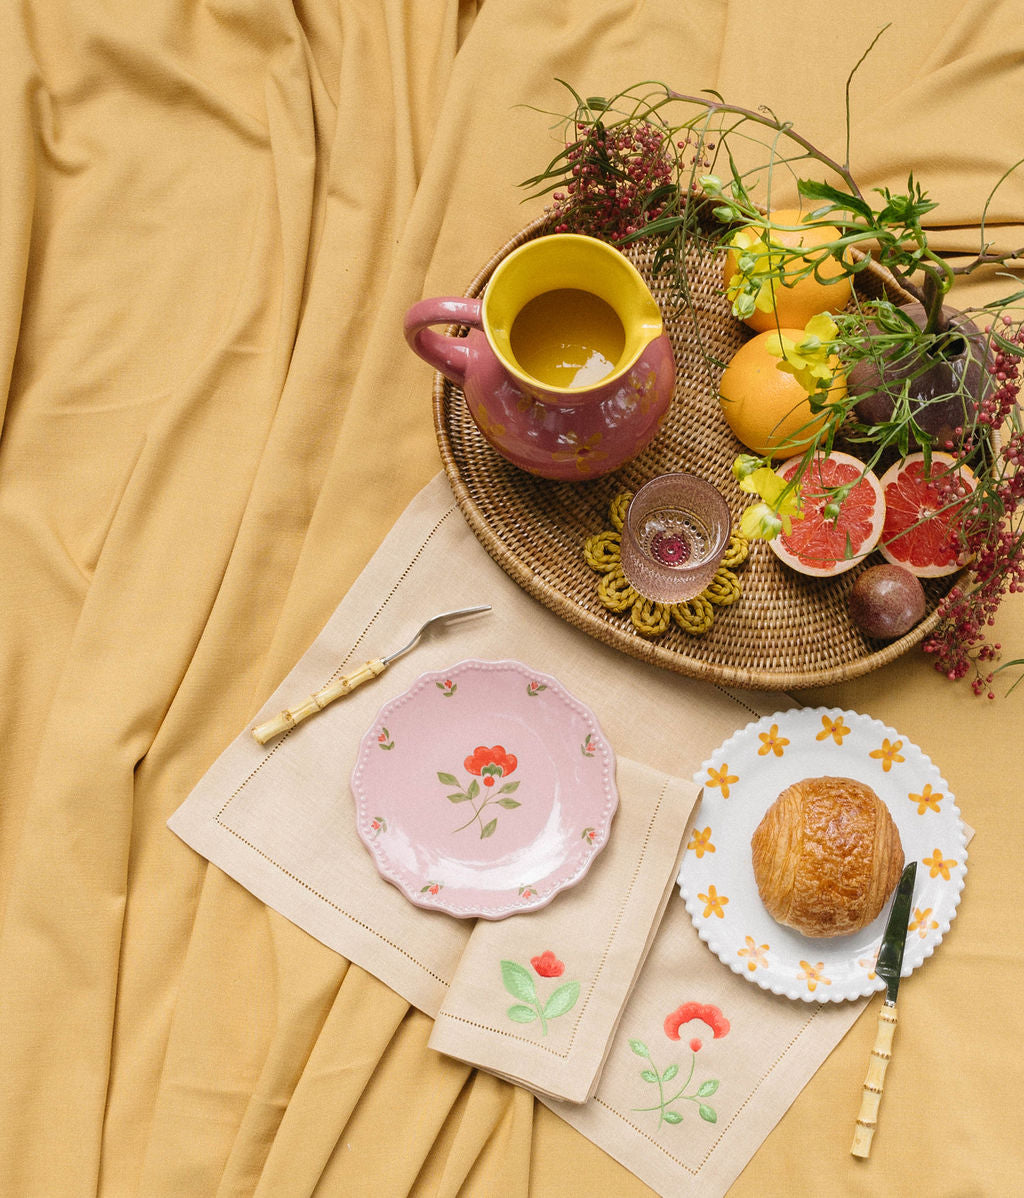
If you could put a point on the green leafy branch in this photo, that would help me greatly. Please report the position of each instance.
(664, 1105)
(472, 793)
(519, 983)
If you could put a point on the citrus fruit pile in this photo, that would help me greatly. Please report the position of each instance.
(910, 515)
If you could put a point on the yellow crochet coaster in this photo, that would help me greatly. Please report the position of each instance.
(603, 553)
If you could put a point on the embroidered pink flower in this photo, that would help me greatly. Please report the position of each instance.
(548, 965)
(688, 1012)
(489, 764)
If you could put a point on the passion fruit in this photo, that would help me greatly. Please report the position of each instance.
(886, 602)
(945, 390)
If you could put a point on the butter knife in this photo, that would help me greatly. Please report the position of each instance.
(888, 967)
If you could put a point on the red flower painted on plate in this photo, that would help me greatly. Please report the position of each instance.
(705, 1012)
(548, 965)
(489, 764)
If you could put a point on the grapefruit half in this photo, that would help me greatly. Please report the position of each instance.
(921, 514)
(818, 545)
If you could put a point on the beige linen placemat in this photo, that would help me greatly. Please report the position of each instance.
(273, 817)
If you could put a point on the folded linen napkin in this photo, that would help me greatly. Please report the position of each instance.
(536, 997)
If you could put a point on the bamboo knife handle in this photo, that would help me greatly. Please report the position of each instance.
(318, 701)
(871, 1095)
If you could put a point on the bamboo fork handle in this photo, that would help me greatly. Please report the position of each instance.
(871, 1095)
(318, 701)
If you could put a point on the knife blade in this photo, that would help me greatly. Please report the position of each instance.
(888, 967)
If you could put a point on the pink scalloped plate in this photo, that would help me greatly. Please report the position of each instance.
(484, 790)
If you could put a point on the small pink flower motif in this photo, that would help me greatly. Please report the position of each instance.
(377, 825)
(533, 689)
(548, 965)
(589, 746)
(432, 888)
(526, 892)
(447, 688)
(384, 739)
(589, 835)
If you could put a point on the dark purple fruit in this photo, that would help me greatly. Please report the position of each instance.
(945, 391)
(886, 601)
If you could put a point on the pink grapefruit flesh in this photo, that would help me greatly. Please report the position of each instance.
(822, 547)
(921, 513)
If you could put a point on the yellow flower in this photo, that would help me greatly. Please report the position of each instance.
(756, 953)
(721, 778)
(937, 864)
(772, 742)
(922, 924)
(751, 287)
(810, 360)
(812, 975)
(888, 753)
(780, 501)
(834, 728)
(701, 842)
(927, 800)
(714, 903)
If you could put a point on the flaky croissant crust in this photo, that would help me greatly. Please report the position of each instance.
(826, 856)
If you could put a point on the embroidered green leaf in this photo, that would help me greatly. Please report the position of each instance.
(448, 779)
(563, 999)
(522, 1014)
(508, 788)
(707, 1114)
(518, 981)
(640, 1048)
(670, 1073)
(488, 829)
(509, 803)
(649, 1075)
(672, 1117)
(707, 1089)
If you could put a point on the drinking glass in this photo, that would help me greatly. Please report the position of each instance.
(676, 530)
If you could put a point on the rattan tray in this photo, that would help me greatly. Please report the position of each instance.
(786, 632)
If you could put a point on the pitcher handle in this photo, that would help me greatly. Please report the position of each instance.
(449, 355)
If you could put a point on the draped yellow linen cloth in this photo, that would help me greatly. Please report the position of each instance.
(212, 217)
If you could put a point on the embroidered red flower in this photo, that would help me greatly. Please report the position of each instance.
(548, 965)
(705, 1012)
(489, 764)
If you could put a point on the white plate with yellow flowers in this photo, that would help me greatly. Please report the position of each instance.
(743, 777)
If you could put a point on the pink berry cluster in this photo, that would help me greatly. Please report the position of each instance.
(614, 172)
(992, 532)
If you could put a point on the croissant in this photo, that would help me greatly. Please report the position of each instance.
(826, 856)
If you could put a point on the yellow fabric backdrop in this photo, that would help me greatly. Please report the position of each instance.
(212, 217)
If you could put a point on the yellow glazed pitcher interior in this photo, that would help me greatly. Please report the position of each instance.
(568, 313)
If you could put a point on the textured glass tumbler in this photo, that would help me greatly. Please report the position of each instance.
(676, 530)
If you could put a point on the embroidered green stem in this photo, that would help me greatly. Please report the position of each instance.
(664, 1105)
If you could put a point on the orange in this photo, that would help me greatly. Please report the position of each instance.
(767, 409)
(921, 514)
(796, 303)
(818, 545)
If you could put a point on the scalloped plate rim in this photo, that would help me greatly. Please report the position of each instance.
(768, 982)
(440, 902)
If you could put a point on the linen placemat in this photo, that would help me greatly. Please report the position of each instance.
(536, 997)
(272, 817)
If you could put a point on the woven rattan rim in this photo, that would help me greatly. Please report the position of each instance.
(786, 632)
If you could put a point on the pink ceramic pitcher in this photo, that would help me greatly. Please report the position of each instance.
(566, 370)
